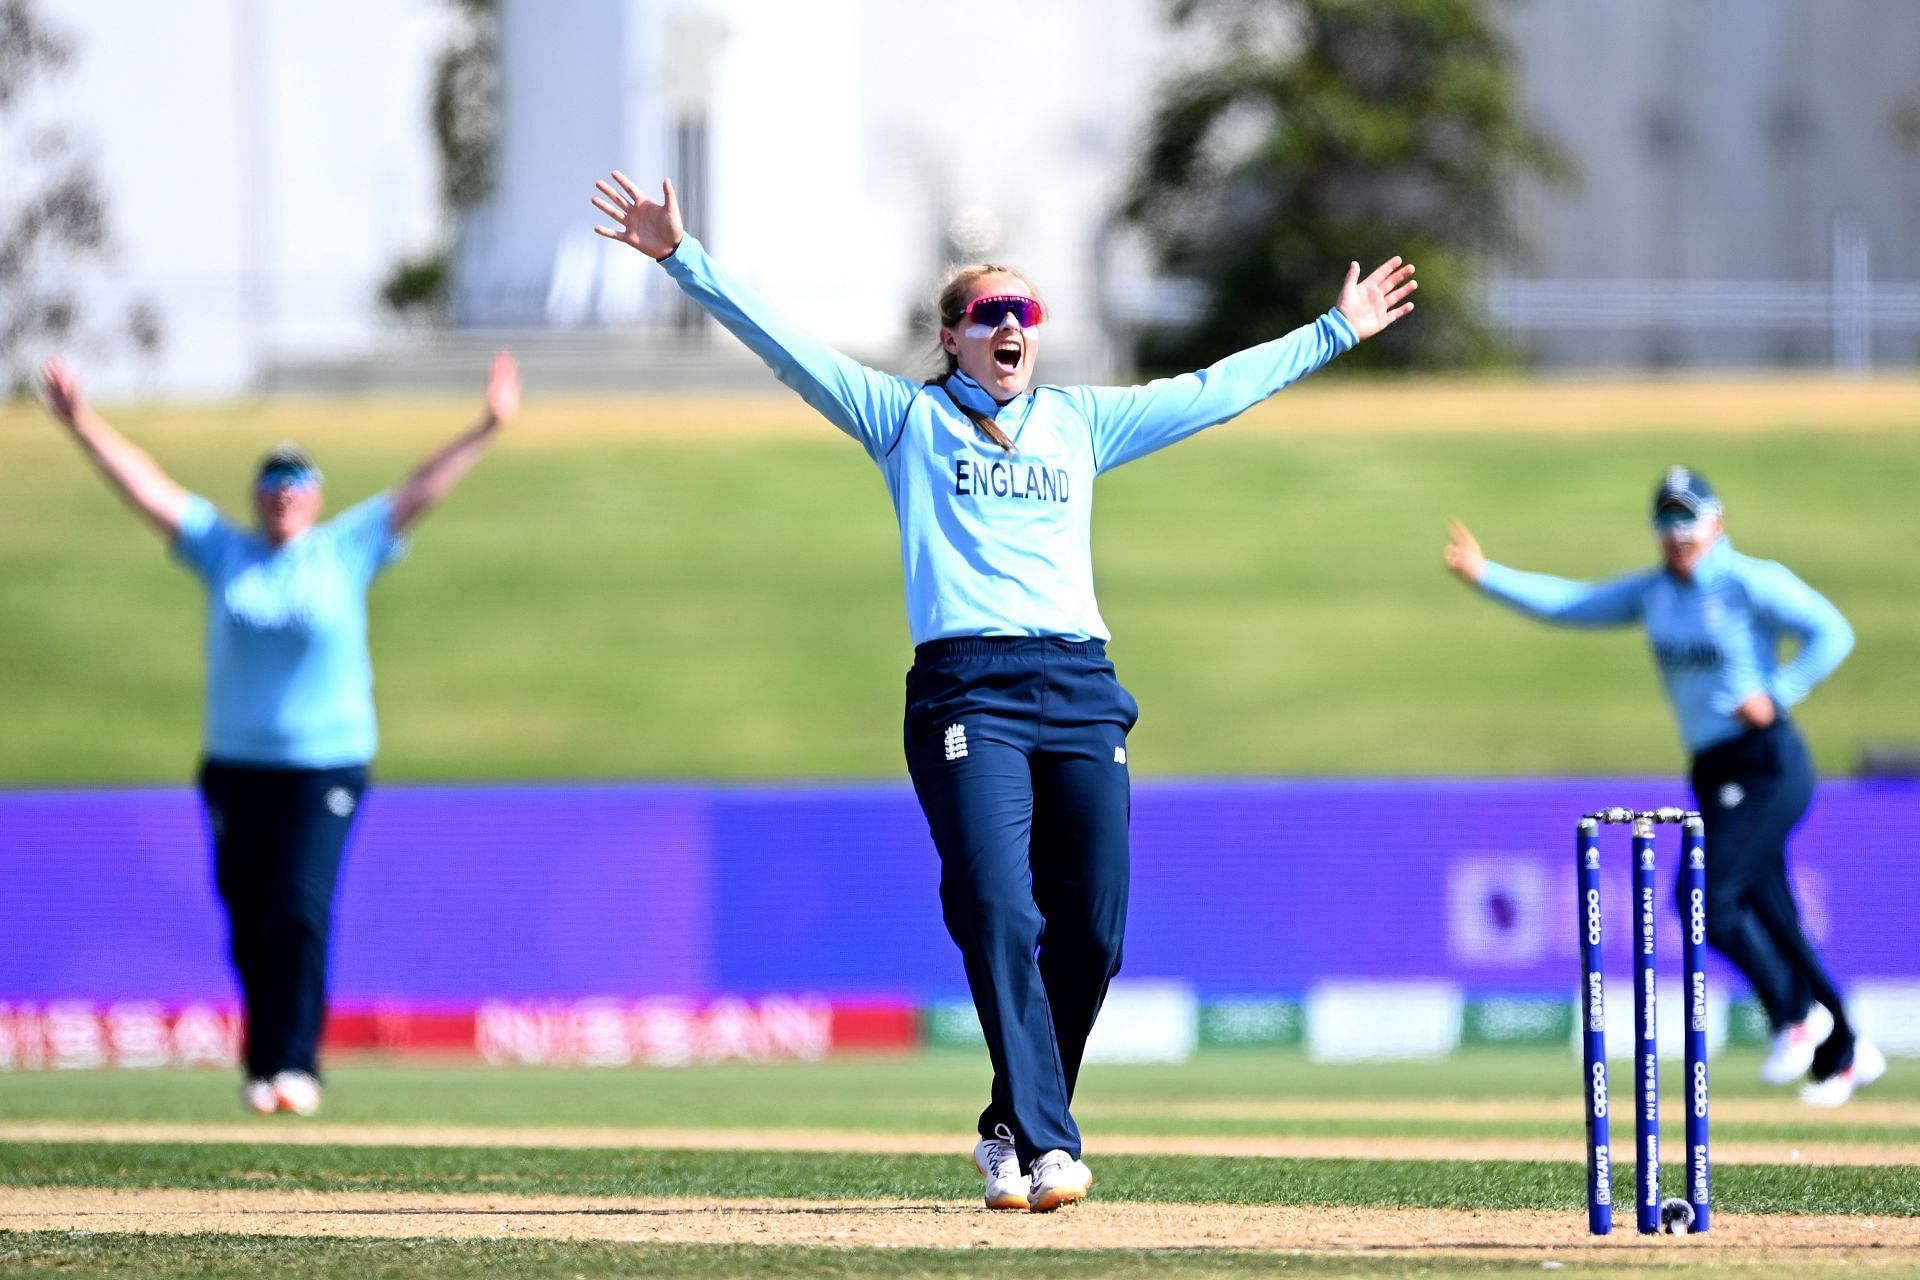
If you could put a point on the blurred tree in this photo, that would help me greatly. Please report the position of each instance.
(51, 219)
(465, 111)
(416, 286)
(1903, 118)
(1320, 131)
(466, 106)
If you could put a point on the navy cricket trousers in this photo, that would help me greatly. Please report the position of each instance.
(278, 837)
(1017, 747)
(1752, 791)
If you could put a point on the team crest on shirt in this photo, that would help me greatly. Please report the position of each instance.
(956, 742)
(1731, 795)
(339, 802)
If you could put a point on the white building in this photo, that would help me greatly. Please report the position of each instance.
(1752, 183)
(836, 154)
(263, 163)
(1751, 169)
(1752, 176)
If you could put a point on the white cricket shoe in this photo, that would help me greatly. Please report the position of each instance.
(1057, 1179)
(298, 1092)
(1790, 1052)
(999, 1164)
(1869, 1064)
(258, 1097)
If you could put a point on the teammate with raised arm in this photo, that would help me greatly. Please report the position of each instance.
(289, 701)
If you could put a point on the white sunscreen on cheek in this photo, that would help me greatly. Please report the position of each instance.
(979, 332)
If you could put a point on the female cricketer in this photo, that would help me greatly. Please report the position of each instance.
(1715, 619)
(289, 702)
(1016, 728)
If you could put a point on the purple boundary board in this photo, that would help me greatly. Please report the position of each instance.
(452, 895)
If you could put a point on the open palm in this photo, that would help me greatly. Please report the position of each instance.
(62, 390)
(1463, 555)
(503, 388)
(1372, 304)
(653, 228)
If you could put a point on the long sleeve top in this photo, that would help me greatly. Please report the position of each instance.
(994, 543)
(1716, 637)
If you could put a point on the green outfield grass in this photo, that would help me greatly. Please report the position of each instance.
(941, 1090)
(718, 596)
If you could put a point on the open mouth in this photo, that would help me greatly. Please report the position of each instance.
(1006, 357)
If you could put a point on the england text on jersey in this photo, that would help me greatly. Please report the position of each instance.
(1009, 480)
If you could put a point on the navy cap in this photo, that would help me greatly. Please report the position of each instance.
(288, 463)
(1684, 494)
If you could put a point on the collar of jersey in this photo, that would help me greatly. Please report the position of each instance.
(971, 395)
(1716, 564)
(259, 535)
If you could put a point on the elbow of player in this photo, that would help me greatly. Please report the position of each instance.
(1842, 640)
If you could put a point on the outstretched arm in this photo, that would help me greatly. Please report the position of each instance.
(435, 478)
(868, 405)
(127, 467)
(1130, 422)
(1613, 603)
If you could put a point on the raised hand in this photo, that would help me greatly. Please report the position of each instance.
(1372, 304)
(1463, 555)
(503, 388)
(62, 391)
(445, 467)
(653, 229)
(125, 465)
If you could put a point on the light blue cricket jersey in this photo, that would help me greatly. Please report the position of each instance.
(997, 544)
(1716, 638)
(289, 679)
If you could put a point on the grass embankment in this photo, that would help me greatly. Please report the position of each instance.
(711, 589)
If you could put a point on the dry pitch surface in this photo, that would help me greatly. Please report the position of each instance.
(929, 1224)
(1282, 1147)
